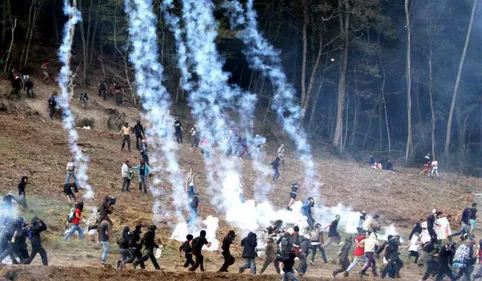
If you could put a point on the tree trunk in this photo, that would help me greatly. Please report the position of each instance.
(27, 33)
(389, 140)
(457, 81)
(304, 59)
(409, 84)
(430, 94)
(313, 76)
(14, 25)
(4, 21)
(54, 21)
(36, 13)
(344, 28)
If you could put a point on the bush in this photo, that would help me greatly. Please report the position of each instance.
(86, 122)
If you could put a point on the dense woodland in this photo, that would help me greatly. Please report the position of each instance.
(396, 78)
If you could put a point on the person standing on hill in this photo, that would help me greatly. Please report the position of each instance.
(71, 172)
(249, 244)
(36, 227)
(281, 154)
(293, 194)
(426, 166)
(143, 151)
(473, 218)
(143, 173)
(191, 182)
(21, 191)
(275, 165)
(79, 207)
(226, 251)
(178, 130)
(28, 87)
(118, 94)
(102, 89)
(17, 86)
(434, 171)
(126, 132)
(52, 105)
(103, 238)
(194, 202)
(197, 245)
(194, 137)
(126, 176)
(139, 132)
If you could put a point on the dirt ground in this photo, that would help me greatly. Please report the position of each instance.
(33, 145)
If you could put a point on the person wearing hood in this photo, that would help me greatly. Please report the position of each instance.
(79, 207)
(21, 192)
(303, 252)
(392, 256)
(361, 222)
(370, 244)
(306, 211)
(149, 244)
(36, 227)
(271, 252)
(281, 154)
(143, 173)
(20, 244)
(445, 257)
(343, 261)
(135, 246)
(139, 132)
(9, 238)
(333, 235)
(197, 245)
(226, 251)
(249, 244)
(126, 255)
(317, 241)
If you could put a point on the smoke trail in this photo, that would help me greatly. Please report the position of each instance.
(262, 56)
(210, 224)
(68, 120)
(155, 102)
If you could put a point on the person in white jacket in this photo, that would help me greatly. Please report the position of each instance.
(369, 244)
(126, 176)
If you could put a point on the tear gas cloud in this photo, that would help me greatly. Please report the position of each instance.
(68, 119)
(155, 101)
(210, 225)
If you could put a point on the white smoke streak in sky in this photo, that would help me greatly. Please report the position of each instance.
(155, 101)
(68, 119)
(262, 56)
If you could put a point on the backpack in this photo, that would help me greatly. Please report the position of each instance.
(71, 215)
(285, 245)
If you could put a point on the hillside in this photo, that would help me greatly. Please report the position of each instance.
(35, 146)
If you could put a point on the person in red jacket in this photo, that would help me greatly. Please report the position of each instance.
(358, 254)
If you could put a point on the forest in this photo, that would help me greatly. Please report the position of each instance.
(394, 79)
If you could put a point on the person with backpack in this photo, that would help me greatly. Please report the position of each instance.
(139, 133)
(226, 251)
(126, 255)
(135, 244)
(28, 87)
(71, 172)
(126, 174)
(193, 208)
(75, 218)
(358, 254)
(143, 173)
(186, 248)
(36, 227)
(306, 211)
(103, 238)
(249, 244)
(275, 165)
(21, 192)
(343, 261)
(52, 101)
(178, 130)
(149, 244)
(293, 194)
(287, 265)
(317, 242)
(197, 245)
(285, 245)
(126, 132)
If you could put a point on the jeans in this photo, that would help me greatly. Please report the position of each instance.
(126, 256)
(465, 228)
(67, 178)
(143, 182)
(106, 247)
(179, 137)
(193, 215)
(398, 265)
(74, 228)
(251, 264)
(355, 261)
(125, 184)
(322, 251)
(145, 157)
(276, 174)
(190, 191)
(289, 276)
(303, 266)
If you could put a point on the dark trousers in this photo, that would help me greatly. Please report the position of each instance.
(21, 252)
(126, 255)
(343, 264)
(38, 250)
(228, 261)
(430, 270)
(179, 137)
(51, 112)
(433, 234)
(303, 266)
(414, 254)
(189, 260)
(444, 270)
(322, 251)
(145, 157)
(138, 141)
(118, 99)
(465, 271)
(371, 262)
(103, 93)
(199, 262)
(311, 221)
(138, 255)
(9, 251)
(127, 139)
(143, 182)
(125, 184)
(149, 255)
(276, 174)
(395, 260)
(194, 142)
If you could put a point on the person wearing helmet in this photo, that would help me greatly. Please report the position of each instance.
(293, 194)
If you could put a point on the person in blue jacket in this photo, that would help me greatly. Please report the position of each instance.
(306, 211)
(143, 173)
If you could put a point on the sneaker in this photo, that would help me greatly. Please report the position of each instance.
(119, 263)
(346, 274)
(312, 263)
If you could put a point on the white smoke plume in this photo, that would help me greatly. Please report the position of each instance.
(262, 56)
(68, 119)
(210, 225)
(156, 104)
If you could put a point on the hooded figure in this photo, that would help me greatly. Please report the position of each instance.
(343, 252)
(135, 245)
(149, 244)
(36, 227)
(126, 255)
(226, 251)
(249, 253)
(197, 245)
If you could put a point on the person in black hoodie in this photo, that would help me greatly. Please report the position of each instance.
(275, 165)
(187, 249)
(8, 239)
(249, 253)
(20, 244)
(139, 132)
(149, 243)
(21, 191)
(125, 252)
(197, 245)
(135, 245)
(228, 258)
(445, 257)
(304, 251)
(36, 227)
(392, 256)
(417, 228)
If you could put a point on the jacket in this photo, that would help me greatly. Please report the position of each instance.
(125, 170)
(306, 208)
(148, 170)
(139, 130)
(370, 243)
(36, 228)
(345, 248)
(317, 237)
(271, 251)
(305, 246)
(249, 246)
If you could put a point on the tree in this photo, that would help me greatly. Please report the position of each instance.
(409, 145)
